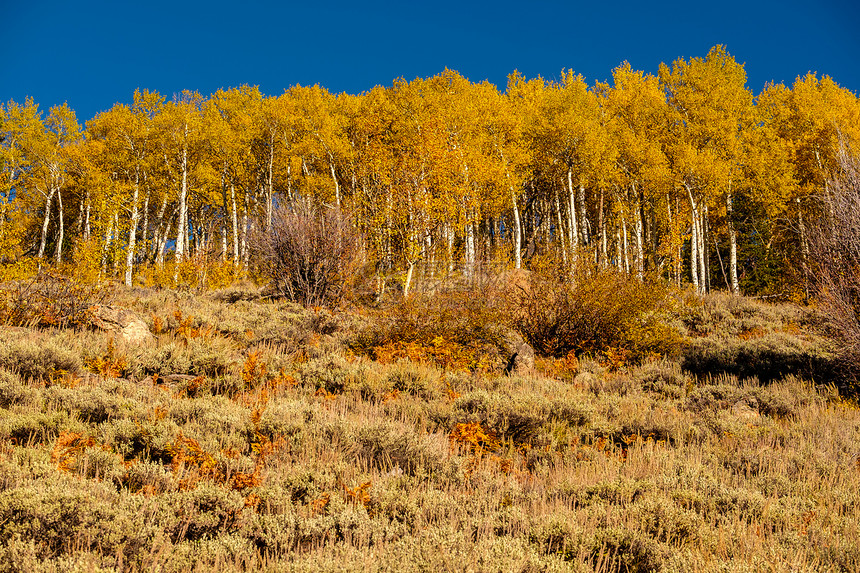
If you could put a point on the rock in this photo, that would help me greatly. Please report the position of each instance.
(113, 319)
(521, 356)
(742, 409)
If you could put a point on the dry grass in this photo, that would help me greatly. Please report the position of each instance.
(283, 451)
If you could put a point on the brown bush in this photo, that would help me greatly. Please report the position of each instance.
(596, 312)
(310, 255)
(50, 299)
(834, 263)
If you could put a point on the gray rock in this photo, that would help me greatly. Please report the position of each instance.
(521, 356)
(123, 321)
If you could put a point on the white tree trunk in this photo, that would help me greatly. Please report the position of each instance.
(182, 229)
(560, 230)
(470, 251)
(336, 186)
(626, 245)
(703, 249)
(573, 228)
(132, 232)
(518, 233)
(733, 247)
(640, 252)
(44, 238)
(234, 216)
(60, 229)
(583, 217)
(270, 186)
(106, 246)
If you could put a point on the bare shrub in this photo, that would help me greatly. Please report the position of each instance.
(51, 299)
(310, 254)
(834, 262)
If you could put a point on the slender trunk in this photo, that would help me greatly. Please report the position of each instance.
(161, 246)
(144, 229)
(626, 245)
(132, 232)
(801, 226)
(560, 231)
(87, 220)
(518, 232)
(234, 216)
(408, 279)
(640, 251)
(252, 225)
(449, 236)
(182, 230)
(106, 246)
(44, 237)
(601, 222)
(694, 240)
(160, 231)
(226, 209)
(733, 247)
(583, 217)
(115, 260)
(705, 276)
(336, 186)
(470, 250)
(245, 229)
(573, 228)
(60, 229)
(270, 190)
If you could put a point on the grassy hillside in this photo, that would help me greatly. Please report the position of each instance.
(256, 434)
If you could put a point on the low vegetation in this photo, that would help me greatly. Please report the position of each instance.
(701, 434)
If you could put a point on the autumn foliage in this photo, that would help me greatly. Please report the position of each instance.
(687, 174)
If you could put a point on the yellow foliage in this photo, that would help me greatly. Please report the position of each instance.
(22, 269)
(85, 266)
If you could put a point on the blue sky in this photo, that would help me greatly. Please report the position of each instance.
(95, 53)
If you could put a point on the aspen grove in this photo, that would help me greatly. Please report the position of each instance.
(687, 175)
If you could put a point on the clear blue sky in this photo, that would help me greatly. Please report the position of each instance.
(95, 53)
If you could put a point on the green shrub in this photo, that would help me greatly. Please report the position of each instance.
(13, 390)
(387, 445)
(769, 357)
(331, 372)
(515, 418)
(91, 404)
(205, 511)
(63, 513)
(41, 359)
(627, 551)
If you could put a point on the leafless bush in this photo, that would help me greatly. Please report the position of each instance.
(310, 254)
(834, 261)
(50, 299)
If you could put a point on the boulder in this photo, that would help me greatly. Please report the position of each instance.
(520, 355)
(122, 321)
